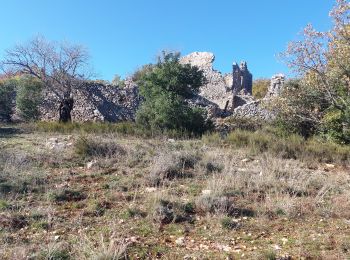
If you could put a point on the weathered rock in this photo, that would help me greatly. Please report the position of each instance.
(253, 110)
(220, 89)
(203, 60)
(96, 102)
(276, 85)
(216, 91)
(242, 79)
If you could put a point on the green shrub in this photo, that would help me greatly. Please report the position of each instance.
(28, 98)
(132, 213)
(7, 88)
(165, 88)
(67, 195)
(3, 204)
(213, 167)
(239, 138)
(166, 211)
(260, 87)
(335, 126)
(172, 166)
(228, 223)
(213, 203)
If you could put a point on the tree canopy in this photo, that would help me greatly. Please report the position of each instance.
(165, 86)
(321, 98)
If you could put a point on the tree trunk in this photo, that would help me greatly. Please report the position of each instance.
(65, 109)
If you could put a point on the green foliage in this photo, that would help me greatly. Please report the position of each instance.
(67, 195)
(335, 126)
(28, 97)
(165, 86)
(299, 109)
(320, 101)
(171, 76)
(228, 223)
(166, 112)
(7, 88)
(260, 87)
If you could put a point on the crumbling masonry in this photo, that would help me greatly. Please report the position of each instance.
(223, 95)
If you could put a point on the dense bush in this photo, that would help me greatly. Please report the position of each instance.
(260, 87)
(320, 101)
(6, 99)
(165, 88)
(28, 98)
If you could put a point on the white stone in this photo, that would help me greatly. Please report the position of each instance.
(91, 164)
(180, 241)
(150, 189)
(206, 192)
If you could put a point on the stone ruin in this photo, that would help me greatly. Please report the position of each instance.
(226, 90)
(276, 86)
(223, 95)
(96, 101)
(232, 92)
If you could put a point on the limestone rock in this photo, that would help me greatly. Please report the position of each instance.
(203, 60)
(96, 101)
(180, 241)
(276, 85)
(215, 90)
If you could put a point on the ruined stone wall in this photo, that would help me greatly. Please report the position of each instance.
(276, 85)
(96, 102)
(216, 90)
(242, 79)
(258, 109)
(227, 91)
(221, 96)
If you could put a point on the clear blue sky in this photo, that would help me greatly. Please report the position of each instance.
(121, 35)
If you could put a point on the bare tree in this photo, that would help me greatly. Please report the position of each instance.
(60, 66)
(321, 57)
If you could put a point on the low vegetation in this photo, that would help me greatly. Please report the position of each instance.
(109, 195)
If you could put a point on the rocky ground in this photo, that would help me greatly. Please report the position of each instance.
(108, 196)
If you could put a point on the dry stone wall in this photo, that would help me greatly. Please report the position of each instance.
(96, 102)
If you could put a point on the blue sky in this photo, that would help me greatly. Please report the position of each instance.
(121, 35)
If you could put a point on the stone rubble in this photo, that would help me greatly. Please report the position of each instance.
(96, 102)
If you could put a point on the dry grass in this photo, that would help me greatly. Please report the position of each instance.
(156, 198)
